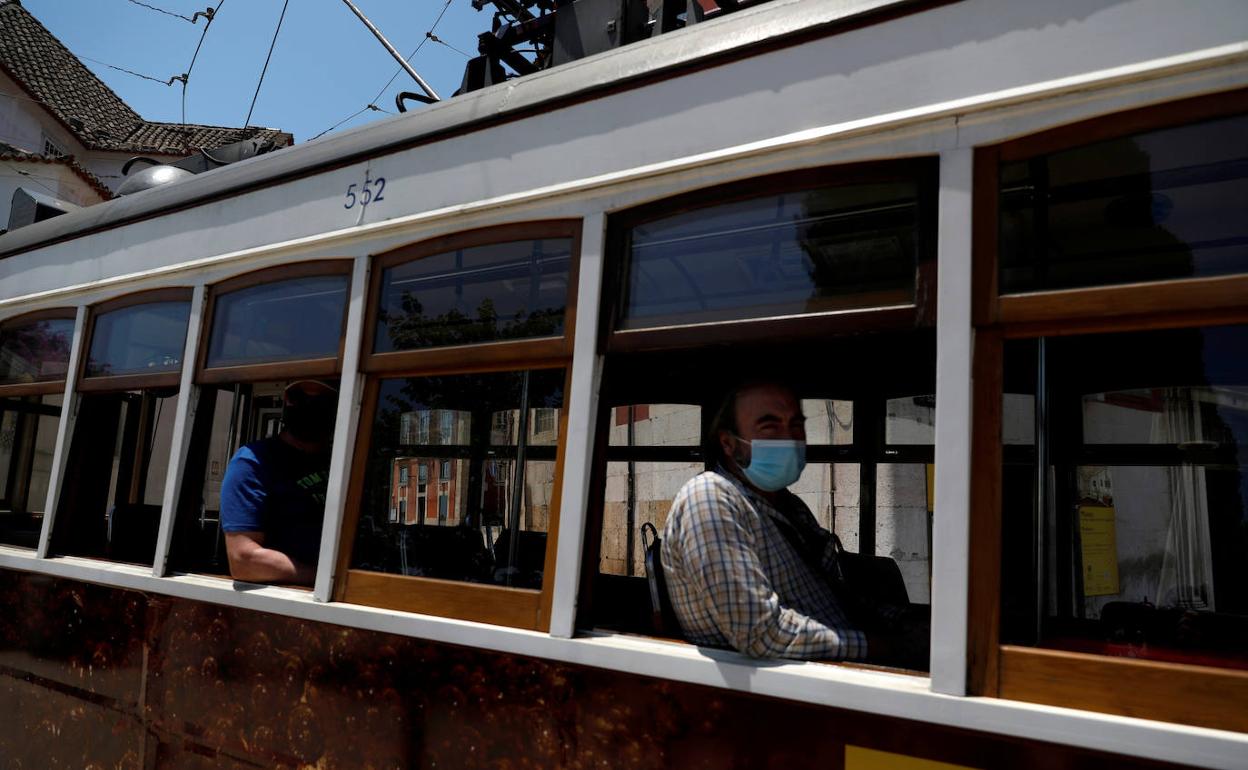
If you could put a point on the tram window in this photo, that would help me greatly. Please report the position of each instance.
(1141, 545)
(28, 427)
(496, 291)
(654, 445)
(1151, 206)
(484, 462)
(139, 339)
(805, 251)
(227, 417)
(118, 461)
(282, 320)
(35, 350)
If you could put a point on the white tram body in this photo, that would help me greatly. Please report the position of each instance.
(779, 88)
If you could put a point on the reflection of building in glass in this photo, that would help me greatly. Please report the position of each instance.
(426, 488)
(431, 488)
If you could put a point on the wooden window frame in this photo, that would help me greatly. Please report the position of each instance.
(1206, 696)
(516, 607)
(293, 369)
(37, 387)
(887, 315)
(1048, 311)
(919, 313)
(113, 383)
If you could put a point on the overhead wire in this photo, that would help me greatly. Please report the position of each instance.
(437, 39)
(372, 103)
(186, 76)
(168, 82)
(162, 10)
(272, 44)
(31, 177)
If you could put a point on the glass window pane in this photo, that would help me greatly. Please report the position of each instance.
(27, 440)
(142, 339)
(1143, 522)
(502, 291)
(35, 351)
(475, 513)
(798, 252)
(910, 420)
(300, 318)
(1157, 205)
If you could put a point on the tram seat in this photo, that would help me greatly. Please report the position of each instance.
(662, 614)
(132, 532)
(448, 553)
(530, 558)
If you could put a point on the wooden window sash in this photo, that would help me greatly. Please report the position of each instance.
(138, 381)
(1201, 695)
(1119, 300)
(500, 605)
(271, 371)
(883, 311)
(37, 387)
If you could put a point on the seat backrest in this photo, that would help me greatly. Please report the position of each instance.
(662, 615)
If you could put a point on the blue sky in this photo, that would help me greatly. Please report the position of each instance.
(325, 66)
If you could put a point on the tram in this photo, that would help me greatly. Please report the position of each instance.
(1001, 248)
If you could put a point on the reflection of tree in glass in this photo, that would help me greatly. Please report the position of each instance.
(411, 328)
(858, 243)
(25, 348)
(1090, 216)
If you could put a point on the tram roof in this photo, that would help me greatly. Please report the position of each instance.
(774, 24)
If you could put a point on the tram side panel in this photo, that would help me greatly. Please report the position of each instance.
(109, 677)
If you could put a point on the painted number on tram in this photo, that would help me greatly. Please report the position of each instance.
(371, 191)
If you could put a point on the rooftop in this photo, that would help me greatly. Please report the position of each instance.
(53, 76)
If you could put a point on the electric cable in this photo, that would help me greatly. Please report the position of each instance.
(168, 82)
(272, 44)
(186, 76)
(162, 10)
(437, 39)
(372, 104)
(428, 35)
(31, 177)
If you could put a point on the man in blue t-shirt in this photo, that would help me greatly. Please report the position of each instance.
(273, 495)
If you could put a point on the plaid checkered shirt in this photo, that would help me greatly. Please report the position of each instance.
(737, 580)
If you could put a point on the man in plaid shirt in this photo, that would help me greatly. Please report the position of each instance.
(746, 563)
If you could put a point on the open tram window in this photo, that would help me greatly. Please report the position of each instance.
(809, 279)
(34, 357)
(118, 459)
(1138, 535)
(270, 332)
(454, 495)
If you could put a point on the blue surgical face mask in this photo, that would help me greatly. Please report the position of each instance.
(774, 463)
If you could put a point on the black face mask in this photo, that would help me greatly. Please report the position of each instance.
(311, 420)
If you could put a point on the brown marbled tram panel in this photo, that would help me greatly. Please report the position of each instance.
(44, 725)
(230, 689)
(82, 636)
